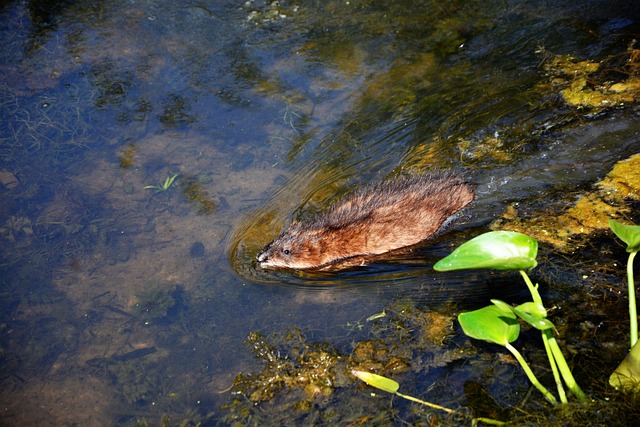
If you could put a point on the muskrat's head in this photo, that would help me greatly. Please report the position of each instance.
(297, 248)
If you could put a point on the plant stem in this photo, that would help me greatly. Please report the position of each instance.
(491, 421)
(532, 289)
(564, 368)
(451, 411)
(554, 368)
(429, 404)
(530, 374)
(556, 357)
(633, 315)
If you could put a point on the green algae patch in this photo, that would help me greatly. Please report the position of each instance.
(590, 214)
(154, 303)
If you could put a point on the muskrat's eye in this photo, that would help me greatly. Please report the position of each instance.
(286, 251)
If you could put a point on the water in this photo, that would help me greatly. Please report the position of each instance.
(123, 304)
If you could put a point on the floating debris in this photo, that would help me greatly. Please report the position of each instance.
(9, 180)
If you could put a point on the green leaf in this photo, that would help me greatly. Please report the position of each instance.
(169, 181)
(630, 234)
(534, 314)
(493, 324)
(500, 250)
(502, 305)
(377, 381)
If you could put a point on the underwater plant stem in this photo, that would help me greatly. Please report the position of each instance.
(429, 404)
(633, 315)
(564, 368)
(531, 375)
(491, 421)
(556, 353)
(545, 338)
(451, 411)
(554, 368)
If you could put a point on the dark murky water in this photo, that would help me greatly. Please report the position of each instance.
(123, 301)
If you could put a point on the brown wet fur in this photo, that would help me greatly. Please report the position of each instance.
(371, 221)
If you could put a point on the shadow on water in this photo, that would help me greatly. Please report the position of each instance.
(149, 150)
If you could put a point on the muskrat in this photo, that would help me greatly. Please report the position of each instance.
(374, 220)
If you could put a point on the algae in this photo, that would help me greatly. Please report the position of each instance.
(304, 379)
(195, 192)
(569, 229)
(154, 303)
(591, 85)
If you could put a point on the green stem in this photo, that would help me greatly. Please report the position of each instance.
(450, 411)
(531, 375)
(556, 356)
(545, 338)
(491, 421)
(633, 315)
(533, 289)
(564, 368)
(429, 404)
(554, 368)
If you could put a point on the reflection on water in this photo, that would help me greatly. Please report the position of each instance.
(126, 298)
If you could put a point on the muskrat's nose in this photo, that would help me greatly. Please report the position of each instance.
(262, 256)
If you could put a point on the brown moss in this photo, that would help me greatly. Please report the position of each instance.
(437, 327)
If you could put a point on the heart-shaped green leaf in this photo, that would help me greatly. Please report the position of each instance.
(493, 324)
(500, 250)
(630, 234)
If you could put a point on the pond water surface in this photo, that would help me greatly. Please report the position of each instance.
(149, 150)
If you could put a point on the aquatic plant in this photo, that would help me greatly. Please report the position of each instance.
(630, 234)
(391, 386)
(194, 191)
(509, 250)
(164, 186)
(627, 374)
(154, 303)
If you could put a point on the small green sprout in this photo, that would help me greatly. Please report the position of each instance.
(391, 386)
(162, 187)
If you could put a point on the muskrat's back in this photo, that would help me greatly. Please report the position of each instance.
(371, 221)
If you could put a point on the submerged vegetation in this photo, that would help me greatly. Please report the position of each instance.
(303, 381)
(572, 227)
(154, 303)
(159, 188)
(614, 82)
